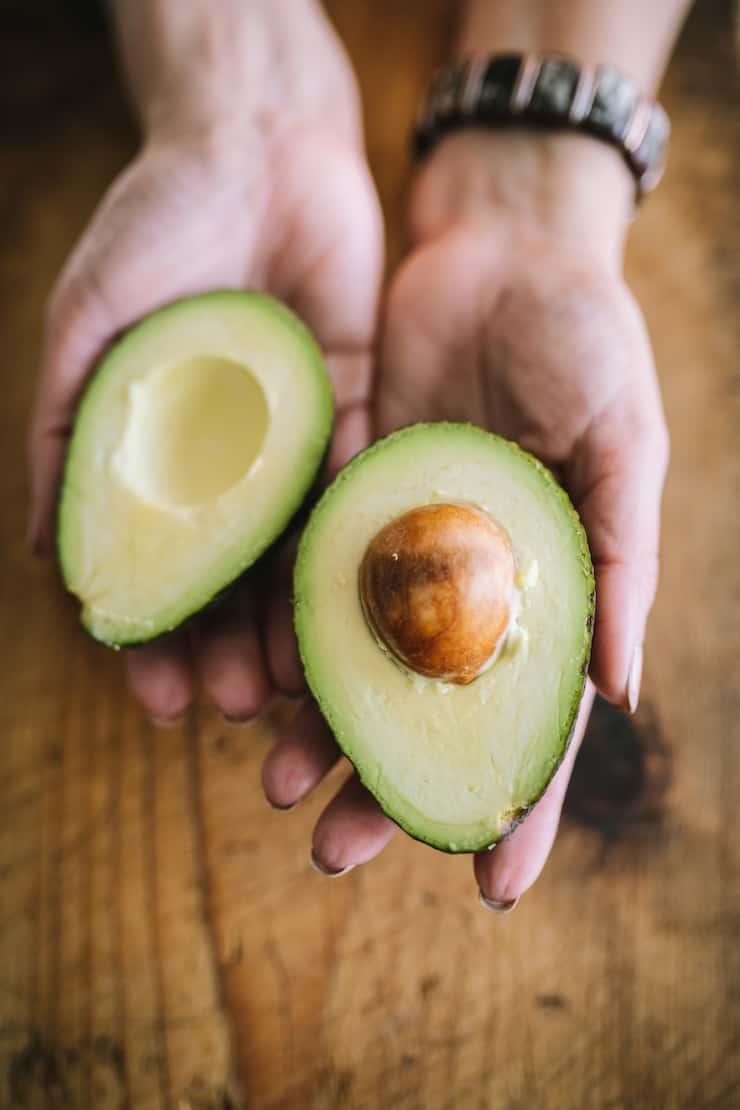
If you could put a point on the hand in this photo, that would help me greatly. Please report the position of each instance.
(282, 201)
(510, 312)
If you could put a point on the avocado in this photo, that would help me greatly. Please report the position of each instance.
(444, 601)
(196, 440)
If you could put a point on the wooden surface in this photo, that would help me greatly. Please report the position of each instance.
(162, 939)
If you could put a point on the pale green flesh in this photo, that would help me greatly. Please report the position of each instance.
(454, 765)
(195, 443)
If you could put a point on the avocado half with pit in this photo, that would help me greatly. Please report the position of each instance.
(444, 600)
(197, 439)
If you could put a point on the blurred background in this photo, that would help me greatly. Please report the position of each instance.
(163, 941)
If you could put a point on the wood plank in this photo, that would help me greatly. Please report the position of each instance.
(163, 941)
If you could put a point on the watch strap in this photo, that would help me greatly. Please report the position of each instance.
(552, 92)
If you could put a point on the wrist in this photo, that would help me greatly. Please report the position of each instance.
(634, 37)
(228, 75)
(568, 187)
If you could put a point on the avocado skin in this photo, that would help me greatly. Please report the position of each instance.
(513, 820)
(302, 505)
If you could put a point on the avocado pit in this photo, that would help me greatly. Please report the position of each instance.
(437, 588)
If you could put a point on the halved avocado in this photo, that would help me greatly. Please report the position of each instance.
(454, 716)
(196, 440)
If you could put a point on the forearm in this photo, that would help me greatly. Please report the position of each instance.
(634, 36)
(216, 68)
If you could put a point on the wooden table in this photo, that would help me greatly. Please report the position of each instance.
(163, 941)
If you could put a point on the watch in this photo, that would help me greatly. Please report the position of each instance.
(550, 92)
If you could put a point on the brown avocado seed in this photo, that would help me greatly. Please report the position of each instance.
(436, 585)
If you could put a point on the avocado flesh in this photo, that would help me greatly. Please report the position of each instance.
(455, 765)
(196, 441)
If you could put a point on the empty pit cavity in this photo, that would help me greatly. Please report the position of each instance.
(193, 431)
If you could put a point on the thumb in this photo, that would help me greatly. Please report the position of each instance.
(507, 872)
(617, 482)
(78, 326)
(330, 269)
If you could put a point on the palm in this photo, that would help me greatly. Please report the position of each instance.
(177, 223)
(548, 349)
(494, 332)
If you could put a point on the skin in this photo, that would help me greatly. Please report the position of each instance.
(509, 310)
(282, 201)
(578, 390)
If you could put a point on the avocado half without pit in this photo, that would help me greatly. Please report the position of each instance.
(444, 600)
(198, 437)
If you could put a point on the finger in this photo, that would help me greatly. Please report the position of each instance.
(283, 658)
(300, 759)
(352, 433)
(161, 677)
(332, 277)
(506, 872)
(617, 480)
(352, 829)
(230, 659)
(47, 447)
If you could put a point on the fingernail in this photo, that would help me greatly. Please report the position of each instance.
(635, 679)
(279, 808)
(167, 722)
(493, 906)
(236, 719)
(328, 871)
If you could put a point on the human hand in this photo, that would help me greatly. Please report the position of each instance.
(279, 199)
(510, 312)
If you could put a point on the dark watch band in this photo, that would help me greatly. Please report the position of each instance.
(552, 92)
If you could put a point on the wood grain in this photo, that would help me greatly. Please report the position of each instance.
(162, 939)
